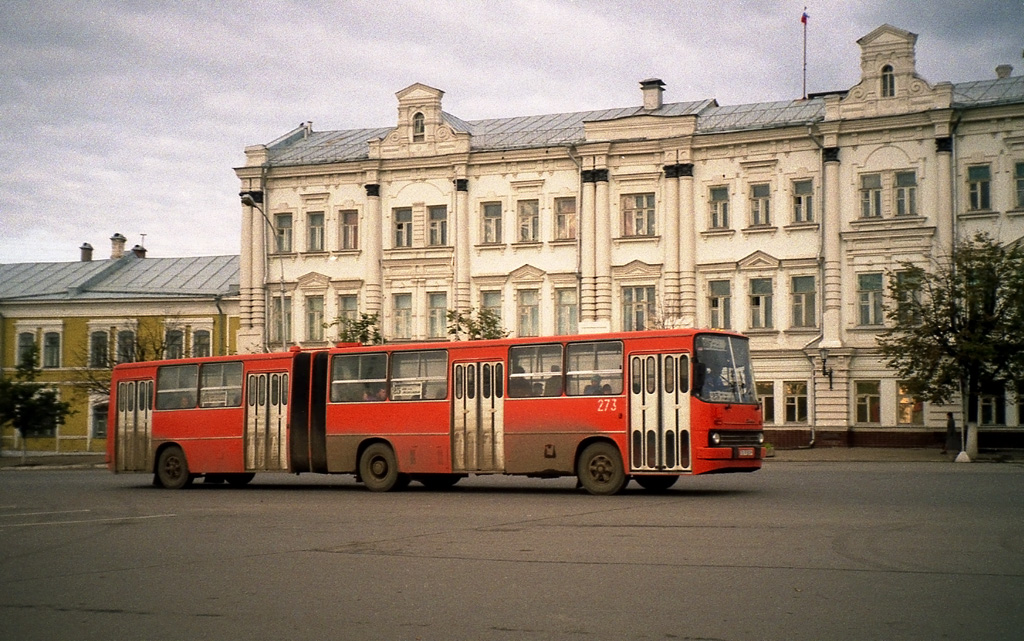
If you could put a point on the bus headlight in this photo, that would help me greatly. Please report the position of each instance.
(760, 438)
(716, 438)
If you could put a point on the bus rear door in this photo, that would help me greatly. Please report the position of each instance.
(659, 399)
(478, 429)
(266, 415)
(134, 426)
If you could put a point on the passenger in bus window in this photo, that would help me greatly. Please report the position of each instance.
(594, 388)
(606, 389)
(553, 386)
(518, 386)
(375, 393)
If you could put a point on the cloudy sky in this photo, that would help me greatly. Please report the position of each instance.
(128, 116)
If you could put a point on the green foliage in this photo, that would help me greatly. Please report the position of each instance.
(475, 325)
(34, 409)
(958, 328)
(365, 329)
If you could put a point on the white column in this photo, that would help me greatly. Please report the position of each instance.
(687, 248)
(832, 321)
(373, 252)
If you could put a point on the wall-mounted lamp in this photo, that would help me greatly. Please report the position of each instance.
(825, 369)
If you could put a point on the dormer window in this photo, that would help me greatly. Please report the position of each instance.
(418, 127)
(888, 82)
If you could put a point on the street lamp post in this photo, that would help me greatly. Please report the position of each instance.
(254, 199)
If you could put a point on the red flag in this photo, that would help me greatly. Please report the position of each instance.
(804, 18)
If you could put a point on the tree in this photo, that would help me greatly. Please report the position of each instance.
(364, 330)
(149, 341)
(34, 409)
(485, 325)
(958, 328)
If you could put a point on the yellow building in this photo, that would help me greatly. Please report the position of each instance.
(85, 316)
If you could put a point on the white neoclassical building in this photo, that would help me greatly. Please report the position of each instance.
(782, 220)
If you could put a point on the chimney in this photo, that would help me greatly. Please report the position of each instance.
(139, 251)
(117, 242)
(652, 89)
(86, 252)
(1003, 71)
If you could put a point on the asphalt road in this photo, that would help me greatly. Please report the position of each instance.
(796, 551)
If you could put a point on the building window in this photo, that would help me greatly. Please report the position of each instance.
(909, 410)
(637, 308)
(403, 227)
(348, 307)
(869, 401)
(125, 346)
(803, 201)
(528, 312)
(766, 396)
(437, 303)
(314, 318)
(283, 225)
(803, 302)
(528, 218)
(315, 231)
(99, 420)
(638, 215)
(99, 349)
(1018, 177)
(993, 405)
(795, 397)
(978, 188)
(350, 229)
(418, 127)
(403, 315)
(281, 319)
(565, 218)
(51, 349)
(906, 193)
(869, 299)
(26, 347)
(719, 207)
(438, 231)
(174, 346)
(761, 303)
(492, 223)
(491, 301)
(888, 82)
(566, 311)
(201, 343)
(871, 196)
(760, 205)
(720, 304)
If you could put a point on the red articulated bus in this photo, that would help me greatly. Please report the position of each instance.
(648, 406)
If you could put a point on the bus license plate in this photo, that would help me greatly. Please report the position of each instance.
(745, 452)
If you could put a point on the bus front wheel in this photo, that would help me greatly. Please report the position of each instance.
(599, 469)
(379, 469)
(172, 469)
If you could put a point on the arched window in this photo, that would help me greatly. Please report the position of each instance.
(418, 127)
(888, 82)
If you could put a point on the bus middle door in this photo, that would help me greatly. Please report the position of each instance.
(478, 430)
(266, 414)
(134, 426)
(659, 424)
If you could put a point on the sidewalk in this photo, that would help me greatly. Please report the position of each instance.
(50, 461)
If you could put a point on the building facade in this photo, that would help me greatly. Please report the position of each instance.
(84, 317)
(782, 220)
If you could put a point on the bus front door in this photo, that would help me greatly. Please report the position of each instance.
(265, 419)
(134, 426)
(478, 431)
(659, 399)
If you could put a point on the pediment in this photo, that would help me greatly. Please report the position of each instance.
(636, 269)
(888, 34)
(313, 280)
(417, 92)
(759, 260)
(527, 273)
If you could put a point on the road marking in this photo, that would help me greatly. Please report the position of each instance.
(41, 513)
(84, 521)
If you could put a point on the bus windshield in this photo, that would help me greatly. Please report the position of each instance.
(721, 370)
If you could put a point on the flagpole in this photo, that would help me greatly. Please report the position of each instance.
(803, 19)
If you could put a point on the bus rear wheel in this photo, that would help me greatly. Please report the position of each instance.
(658, 483)
(172, 469)
(379, 470)
(599, 469)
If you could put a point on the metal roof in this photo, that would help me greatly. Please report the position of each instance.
(129, 277)
(523, 132)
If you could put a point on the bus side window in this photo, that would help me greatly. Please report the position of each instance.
(684, 374)
(593, 368)
(358, 377)
(177, 387)
(535, 370)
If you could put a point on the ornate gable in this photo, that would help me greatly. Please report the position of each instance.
(758, 260)
(421, 129)
(313, 281)
(526, 274)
